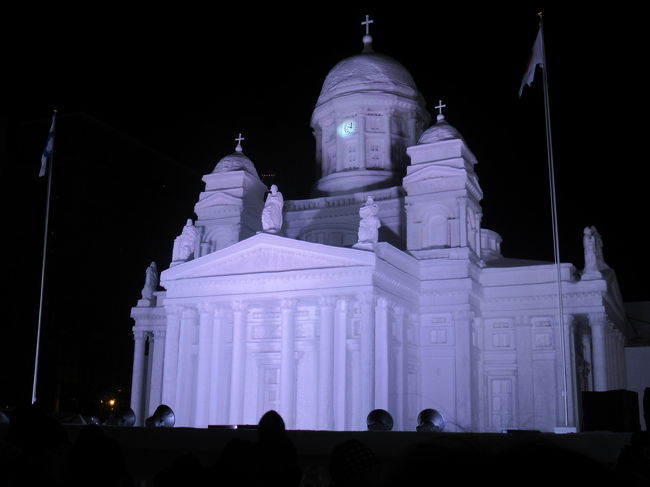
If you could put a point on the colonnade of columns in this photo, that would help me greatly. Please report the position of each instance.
(608, 359)
(209, 390)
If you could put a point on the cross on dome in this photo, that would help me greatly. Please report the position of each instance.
(367, 39)
(439, 107)
(367, 24)
(239, 139)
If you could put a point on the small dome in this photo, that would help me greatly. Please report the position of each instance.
(438, 132)
(365, 72)
(236, 161)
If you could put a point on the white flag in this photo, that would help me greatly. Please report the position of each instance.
(536, 59)
(49, 147)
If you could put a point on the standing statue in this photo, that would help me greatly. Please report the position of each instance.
(598, 241)
(368, 225)
(184, 243)
(589, 244)
(593, 245)
(150, 281)
(272, 212)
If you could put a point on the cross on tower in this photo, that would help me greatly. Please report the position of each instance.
(439, 107)
(239, 139)
(367, 24)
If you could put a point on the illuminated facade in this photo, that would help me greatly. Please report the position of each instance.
(433, 316)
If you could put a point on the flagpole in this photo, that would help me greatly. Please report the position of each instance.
(554, 221)
(50, 163)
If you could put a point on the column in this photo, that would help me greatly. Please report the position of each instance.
(206, 313)
(361, 140)
(137, 380)
(462, 208)
(157, 342)
(479, 217)
(463, 364)
(398, 320)
(340, 357)
(610, 356)
(325, 363)
(367, 355)
(205, 248)
(218, 373)
(387, 162)
(598, 347)
(569, 346)
(622, 373)
(239, 309)
(185, 391)
(586, 347)
(170, 366)
(381, 354)
(288, 362)
(525, 367)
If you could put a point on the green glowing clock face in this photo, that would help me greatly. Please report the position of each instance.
(347, 128)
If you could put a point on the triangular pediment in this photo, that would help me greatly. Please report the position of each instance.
(265, 253)
(218, 198)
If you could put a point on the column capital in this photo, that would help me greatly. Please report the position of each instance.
(462, 315)
(288, 303)
(140, 334)
(597, 319)
(366, 298)
(173, 309)
(205, 307)
(239, 305)
(342, 304)
(381, 302)
(158, 334)
(397, 308)
(327, 301)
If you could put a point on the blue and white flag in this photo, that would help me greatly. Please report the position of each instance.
(49, 147)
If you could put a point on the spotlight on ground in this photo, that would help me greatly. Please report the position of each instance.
(163, 417)
(124, 417)
(379, 420)
(430, 420)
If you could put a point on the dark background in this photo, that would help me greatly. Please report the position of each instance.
(150, 100)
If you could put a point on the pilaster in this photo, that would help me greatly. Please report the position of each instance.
(597, 323)
(206, 314)
(367, 352)
(240, 311)
(170, 368)
(288, 362)
(340, 362)
(137, 381)
(325, 364)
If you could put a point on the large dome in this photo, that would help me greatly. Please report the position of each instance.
(236, 161)
(368, 72)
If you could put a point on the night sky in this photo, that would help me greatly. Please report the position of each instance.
(150, 100)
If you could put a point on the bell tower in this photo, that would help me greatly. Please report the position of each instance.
(443, 194)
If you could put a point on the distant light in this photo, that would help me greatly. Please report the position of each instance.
(111, 402)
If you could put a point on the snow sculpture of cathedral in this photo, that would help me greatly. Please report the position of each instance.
(430, 316)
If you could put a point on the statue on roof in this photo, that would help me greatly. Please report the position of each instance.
(593, 247)
(272, 212)
(150, 281)
(368, 225)
(184, 244)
